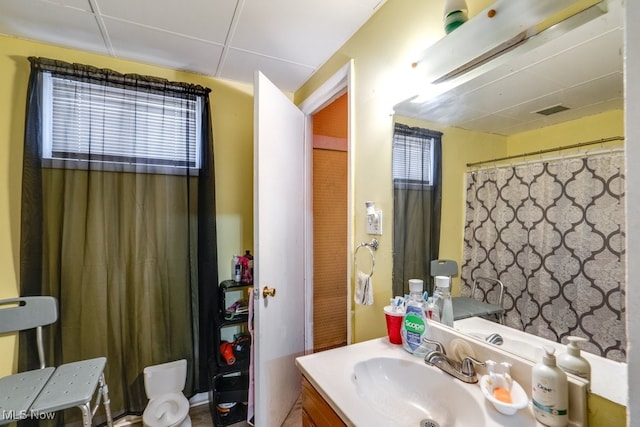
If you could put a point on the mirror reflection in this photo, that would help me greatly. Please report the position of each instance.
(545, 220)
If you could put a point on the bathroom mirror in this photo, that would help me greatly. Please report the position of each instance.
(576, 65)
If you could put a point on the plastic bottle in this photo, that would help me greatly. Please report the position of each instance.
(572, 362)
(432, 310)
(414, 324)
(442, 299)
(236, 268)
(247, 255)
(549, 391)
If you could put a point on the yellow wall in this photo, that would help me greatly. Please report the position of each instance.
(589, 128)
(383, 51)
(232, 112)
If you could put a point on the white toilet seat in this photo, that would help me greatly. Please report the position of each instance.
(167, 410)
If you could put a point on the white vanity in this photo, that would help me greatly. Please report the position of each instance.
(375, 383)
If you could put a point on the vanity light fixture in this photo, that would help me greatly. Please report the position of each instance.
(491, 33)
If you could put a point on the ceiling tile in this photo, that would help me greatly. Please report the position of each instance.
(37, 20)
(239, 65)
(584, 62)
(595, 91)
(509, 91)
(78, 4)
(303, 32)
(161, 48)
(491, 123)
(204, 19)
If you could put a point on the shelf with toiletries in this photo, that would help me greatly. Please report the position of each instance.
(233, 303)
(229, 396)
(229, 371)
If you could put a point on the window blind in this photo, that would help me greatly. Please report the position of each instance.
(412, 160)
(87, 122)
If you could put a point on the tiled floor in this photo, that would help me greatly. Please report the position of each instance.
(201, 417)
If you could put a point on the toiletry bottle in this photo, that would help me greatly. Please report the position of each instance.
(425, 304)
(549, 391)
(236, 268)
(414, 324)
(432, 310)
(442, 299)
(247, 255)
(572, 361)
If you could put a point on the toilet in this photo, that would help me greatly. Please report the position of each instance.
(167, 407)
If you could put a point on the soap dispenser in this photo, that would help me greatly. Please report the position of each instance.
(550, 391)
(572, 361)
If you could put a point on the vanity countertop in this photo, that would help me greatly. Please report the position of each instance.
(608, 377)
(331, 372)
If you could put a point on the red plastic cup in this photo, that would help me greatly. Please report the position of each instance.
(394, 323)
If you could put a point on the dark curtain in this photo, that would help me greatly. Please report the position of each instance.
(416, 205)
(131, 257)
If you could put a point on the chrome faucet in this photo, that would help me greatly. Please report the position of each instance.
(464, 371)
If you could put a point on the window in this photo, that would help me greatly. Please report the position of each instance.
(119, 128)
(413, 157)
(417, 197)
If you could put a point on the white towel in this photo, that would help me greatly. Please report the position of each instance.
(364, 289)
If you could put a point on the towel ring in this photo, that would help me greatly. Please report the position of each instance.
(373, 245)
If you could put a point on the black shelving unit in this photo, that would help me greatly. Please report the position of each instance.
(229, 384)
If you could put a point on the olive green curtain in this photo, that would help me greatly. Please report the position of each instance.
(130, 257)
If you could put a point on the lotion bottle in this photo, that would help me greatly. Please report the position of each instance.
(550, 391)
(572, 361)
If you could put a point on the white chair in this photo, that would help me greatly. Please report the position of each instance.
(47, 390)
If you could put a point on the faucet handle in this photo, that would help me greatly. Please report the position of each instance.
(467, 365)
(439, 346)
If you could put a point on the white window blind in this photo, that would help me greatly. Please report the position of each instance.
(412, 160)
(86, 122)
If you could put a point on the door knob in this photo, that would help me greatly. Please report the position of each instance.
(268, 292)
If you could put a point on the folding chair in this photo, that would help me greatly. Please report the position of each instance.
(32, 394)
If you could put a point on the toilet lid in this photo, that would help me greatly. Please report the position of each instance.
(166, 410)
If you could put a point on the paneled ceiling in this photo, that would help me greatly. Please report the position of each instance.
(580, 68)
(286, 39)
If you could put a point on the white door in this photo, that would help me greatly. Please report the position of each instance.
(279, 211)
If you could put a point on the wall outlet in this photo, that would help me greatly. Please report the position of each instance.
(374, 223)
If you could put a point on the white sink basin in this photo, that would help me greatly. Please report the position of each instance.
(410, 393)
(375, 383)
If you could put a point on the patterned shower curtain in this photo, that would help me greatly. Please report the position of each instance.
(553, 233)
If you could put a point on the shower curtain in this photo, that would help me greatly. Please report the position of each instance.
(130, 256)
(553, 233)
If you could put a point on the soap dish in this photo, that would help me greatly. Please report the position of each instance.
(518, 396)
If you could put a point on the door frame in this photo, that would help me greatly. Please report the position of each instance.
(339, 83)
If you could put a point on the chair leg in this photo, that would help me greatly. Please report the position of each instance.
(104, 389)
(87, 416)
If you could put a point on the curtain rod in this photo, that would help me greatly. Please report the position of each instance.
(548, 150)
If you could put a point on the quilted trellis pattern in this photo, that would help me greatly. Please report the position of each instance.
(553, 233)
